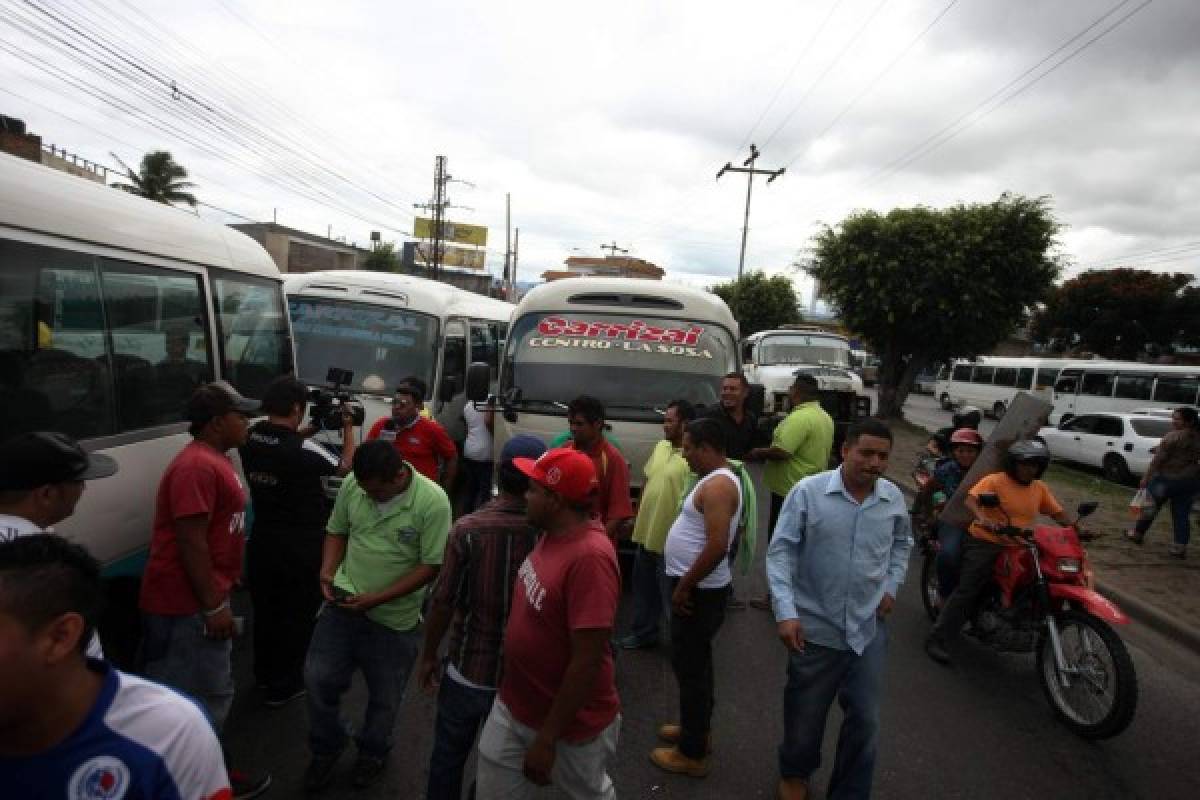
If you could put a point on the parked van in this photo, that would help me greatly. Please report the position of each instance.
(384, 327)
(113, 309)
(1086, 387)
(991, 382)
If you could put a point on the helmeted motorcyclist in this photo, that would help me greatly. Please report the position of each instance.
(1023, 496)
(965, 446)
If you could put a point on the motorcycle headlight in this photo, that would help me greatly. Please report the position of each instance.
(1069, 566)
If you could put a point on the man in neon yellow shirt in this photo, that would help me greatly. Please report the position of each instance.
(799, 447)
(666, 477)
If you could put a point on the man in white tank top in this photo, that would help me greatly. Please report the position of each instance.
(697, 562)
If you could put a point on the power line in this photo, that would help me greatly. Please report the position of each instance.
(1159, 251)
(846, 109)
(829, 68)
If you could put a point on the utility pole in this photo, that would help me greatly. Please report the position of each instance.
(613, 249)
(515, 252)
(507, 283)
(438, 206)
(749, 169)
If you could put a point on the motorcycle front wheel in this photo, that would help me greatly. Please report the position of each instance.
(1097, 694)
(929, 583)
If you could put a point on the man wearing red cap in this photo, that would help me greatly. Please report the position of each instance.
(557, 714)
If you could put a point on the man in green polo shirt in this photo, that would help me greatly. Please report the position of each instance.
(384, 545)
(799, 447)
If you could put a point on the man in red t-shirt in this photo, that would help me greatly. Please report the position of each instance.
(612, 504)
(420, 440)
(557, 714)
(195, 559)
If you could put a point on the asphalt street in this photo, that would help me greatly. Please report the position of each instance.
(924, 410)
(979, 729)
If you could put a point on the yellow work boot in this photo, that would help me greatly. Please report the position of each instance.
(670, 759)
(793, 789)
(672, 731)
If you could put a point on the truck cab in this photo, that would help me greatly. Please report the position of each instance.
(772, 359)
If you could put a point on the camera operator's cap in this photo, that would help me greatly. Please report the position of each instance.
(214, 399)
(30, 460)
(524, 446)
(565, 472)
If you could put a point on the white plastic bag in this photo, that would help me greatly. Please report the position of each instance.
(1140, 501)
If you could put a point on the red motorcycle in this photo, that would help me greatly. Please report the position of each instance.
(1041, 600)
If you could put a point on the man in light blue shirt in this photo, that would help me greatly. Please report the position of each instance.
(834, 566)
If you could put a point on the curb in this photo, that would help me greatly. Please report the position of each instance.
(1138, 609)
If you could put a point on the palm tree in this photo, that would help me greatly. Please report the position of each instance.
(159, 179)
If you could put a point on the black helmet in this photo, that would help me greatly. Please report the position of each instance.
(967, 417)
(1026, 451)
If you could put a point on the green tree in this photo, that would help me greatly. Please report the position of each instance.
(382, 259)
(1120, 313)
(159, 179)
(760, 303)
(922, 285)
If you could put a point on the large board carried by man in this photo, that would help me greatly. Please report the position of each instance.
(1022, 420)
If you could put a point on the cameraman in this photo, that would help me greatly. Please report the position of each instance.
(284, 469)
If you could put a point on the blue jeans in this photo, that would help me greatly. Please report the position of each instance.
(815, 677)
(1181, 492)
(949, 557)
(176, 653)
(342, 642)
(651, 594)
(462, 710)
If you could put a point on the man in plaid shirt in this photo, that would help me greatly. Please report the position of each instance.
(472, 598)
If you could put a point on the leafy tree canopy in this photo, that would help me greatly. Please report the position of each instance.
(760, 303)
(923, 285)
(159, 179)
(1120, 313)
(382, 259)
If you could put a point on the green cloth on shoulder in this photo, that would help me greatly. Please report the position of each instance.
(747, 535)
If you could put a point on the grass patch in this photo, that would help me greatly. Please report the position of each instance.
(1092, 484)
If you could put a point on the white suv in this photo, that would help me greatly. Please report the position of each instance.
(1120, 444)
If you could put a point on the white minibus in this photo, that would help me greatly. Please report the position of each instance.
(1085, 387)
(633, 344)
(384, 327)
(991, 382)
(113, 309)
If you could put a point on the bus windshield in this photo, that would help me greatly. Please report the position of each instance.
(381, 345)
(634, 364)
(804, 349)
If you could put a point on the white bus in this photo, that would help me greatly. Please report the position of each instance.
(1085, 387)
(112, 309)
(634, 344)
(385, 327)
(991, 382)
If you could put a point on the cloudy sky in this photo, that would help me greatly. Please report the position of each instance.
(609, 121)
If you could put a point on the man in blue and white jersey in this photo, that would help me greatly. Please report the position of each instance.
(74, 728)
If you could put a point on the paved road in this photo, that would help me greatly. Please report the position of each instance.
(978, 730)
(923, 410)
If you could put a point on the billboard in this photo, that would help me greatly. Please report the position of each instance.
(451, 256)
(459, 232)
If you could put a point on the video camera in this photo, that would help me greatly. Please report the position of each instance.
(327, 403)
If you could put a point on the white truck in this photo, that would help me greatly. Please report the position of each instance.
(772, 359)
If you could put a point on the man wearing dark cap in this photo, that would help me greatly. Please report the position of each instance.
(42, 477)
(799, 448)
(474, 593)
(557, 715)
(196, 558)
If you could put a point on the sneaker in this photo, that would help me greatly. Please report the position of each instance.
(366, 771)
(246, 786)
(671, 732)
(320, 771)
(1135, 537)
(935, 648)
(632, 642)
(276, 698)
(1177, 550)
(670, 759)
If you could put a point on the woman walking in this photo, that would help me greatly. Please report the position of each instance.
(1173, 474)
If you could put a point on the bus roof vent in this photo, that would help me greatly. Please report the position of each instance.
(401, 296)
(628, 300)
(326, 287)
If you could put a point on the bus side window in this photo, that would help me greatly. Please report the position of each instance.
(1097, 384)
(454, 362)
(54, 366)
(1066, 383)
(1025, 378)
(1176, 389)
(252, 324)
(1046, 377)
(962, 373)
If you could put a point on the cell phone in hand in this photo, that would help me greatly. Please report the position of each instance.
(340, 595)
